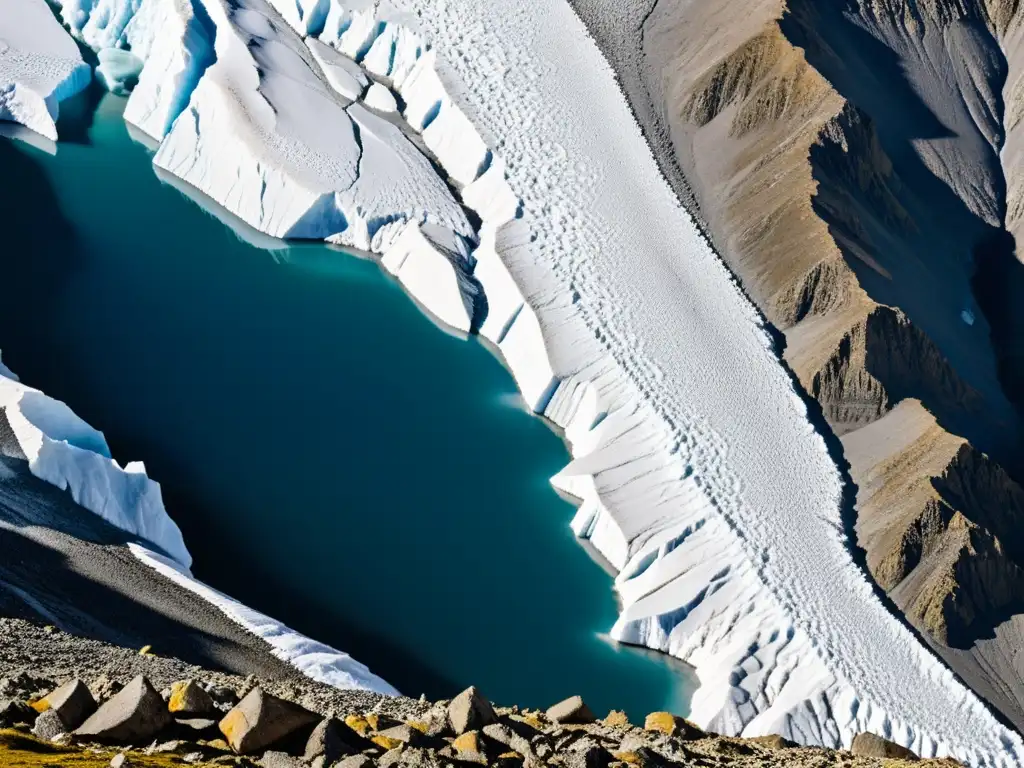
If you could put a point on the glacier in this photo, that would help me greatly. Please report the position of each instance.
(699, 474)
(40, 66)
(65, 451)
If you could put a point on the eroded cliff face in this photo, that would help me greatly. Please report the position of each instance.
(860, 166)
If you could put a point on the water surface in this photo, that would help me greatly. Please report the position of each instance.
(333, 458)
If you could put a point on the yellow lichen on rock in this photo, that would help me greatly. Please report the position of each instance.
(233, 726)
(358, 724)
(386, 742)
(468, 742)
(617, 719)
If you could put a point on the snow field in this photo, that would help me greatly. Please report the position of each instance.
(40, 66)
(700, 477)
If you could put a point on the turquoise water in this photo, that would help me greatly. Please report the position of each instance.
(333, 458)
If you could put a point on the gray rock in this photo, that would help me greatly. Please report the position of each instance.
(259, 720)
(72, 702)
(588, 754)
(188, 698)
(103, 688)
(279, 760)
(571, 711)
(222, 695)
(355, 761)
(169, 747)
(505, 736)
(331, 740)
(49, 726)
(135, 715)
(405, 734)
(469, 711)
(15, 712)
(409, 757)
(873, 745)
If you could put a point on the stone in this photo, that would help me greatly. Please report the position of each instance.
(591, 755)
(49, 726)
(469, 711)
(188, 698)
(505, 736)
(872, 745)
(72, 702)
(330, 740)
(772, 741)
(405, 734)
(355, 761)
(279, 760)
(571, 711)
(171, 747)
(385, 742)
(358, 723)
(470, 748)
(136, 714)
(103, 688)
(259, 720)
(14, 712)
(667, 723)
(381, 722)
(222, 695)
(192, 757)
(617, 719)
(120, 761)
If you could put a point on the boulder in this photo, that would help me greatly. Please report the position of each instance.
(872, 745)
(667, 723)
(188, 698)
(120, 761)
(469, 711)
(617, 719)
(259, 720)
(72, 702)
(49, 726)
(405, 734)
(279, 760)
(470, 748)
(355, 761)
(506, 737)
(15, 712)
(571, 711)
(332, 741)
(358, 723)
(381, 722)
(772, 741)
(135, 715)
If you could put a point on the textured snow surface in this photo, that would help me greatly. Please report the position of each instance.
(316, 660)
(65, 451)
(700, 475)
(39, 66)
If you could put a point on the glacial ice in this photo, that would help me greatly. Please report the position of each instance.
(40, 66)
(316, 660)
(699, 475)
(65, 451)
(118, 70)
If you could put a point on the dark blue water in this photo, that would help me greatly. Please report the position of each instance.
(333, 458)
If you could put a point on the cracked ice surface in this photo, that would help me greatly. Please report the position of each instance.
(701, 477)
(40, 66)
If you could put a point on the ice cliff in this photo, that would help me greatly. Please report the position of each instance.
(700, 476)
(39, 66)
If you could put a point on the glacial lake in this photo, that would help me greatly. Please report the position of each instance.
(333, 458)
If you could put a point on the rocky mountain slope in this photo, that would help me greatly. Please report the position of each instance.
(67, 701)
(857, 164)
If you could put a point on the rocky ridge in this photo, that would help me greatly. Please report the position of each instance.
(118, 718)
(855, 164)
